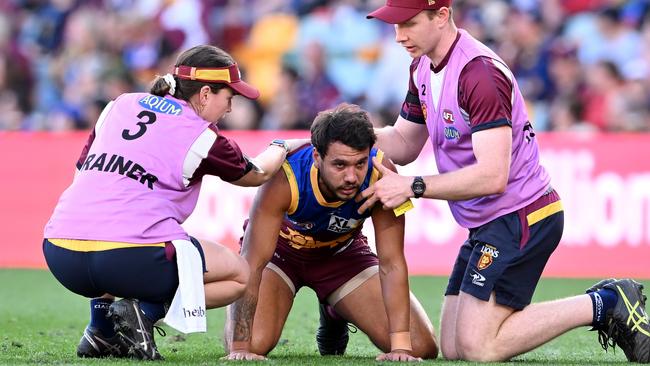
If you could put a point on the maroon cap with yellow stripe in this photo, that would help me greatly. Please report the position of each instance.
(399, 11)
(226, 75)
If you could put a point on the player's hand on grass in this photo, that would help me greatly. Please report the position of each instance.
(398, 356)
(244, 356)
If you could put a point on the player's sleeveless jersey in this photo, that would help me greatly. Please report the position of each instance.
(311, 221)
(451, 137)
(130, 188)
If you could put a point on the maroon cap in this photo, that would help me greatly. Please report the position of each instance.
(228, 75)
(399, 11)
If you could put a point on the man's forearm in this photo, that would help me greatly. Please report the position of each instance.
(242, 311)
(395, 292)
(242, 314)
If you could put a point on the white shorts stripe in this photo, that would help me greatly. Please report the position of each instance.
(282, 275)
(352, 285)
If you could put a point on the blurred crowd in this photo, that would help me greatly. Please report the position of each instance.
(583, 65)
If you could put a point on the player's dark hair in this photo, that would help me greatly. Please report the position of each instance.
(197, 56)
(345, 123)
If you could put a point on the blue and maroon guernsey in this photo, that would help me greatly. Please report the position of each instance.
(450, 126)
(312, 222)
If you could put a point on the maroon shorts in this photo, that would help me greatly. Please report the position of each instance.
(325, 270)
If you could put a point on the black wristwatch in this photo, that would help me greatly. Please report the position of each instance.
(279, 142)
(418, 187)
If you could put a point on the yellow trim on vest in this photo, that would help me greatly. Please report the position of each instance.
(97, 245)
(375, 172)
(293, 184)
(313, 177)
(544, 212)
(298, 240)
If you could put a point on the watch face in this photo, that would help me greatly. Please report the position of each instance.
(418, 186)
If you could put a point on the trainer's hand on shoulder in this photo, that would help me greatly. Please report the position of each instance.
(295, 144)
(244, 356)
(398, 356)
(391, 189)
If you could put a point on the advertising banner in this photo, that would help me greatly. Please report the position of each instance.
(603, 179)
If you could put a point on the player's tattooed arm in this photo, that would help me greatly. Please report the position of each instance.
(239, 328)
(242, 312)
(260, 236)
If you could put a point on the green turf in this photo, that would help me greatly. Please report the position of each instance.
(41, 323)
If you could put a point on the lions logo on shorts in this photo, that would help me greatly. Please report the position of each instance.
(487, 257)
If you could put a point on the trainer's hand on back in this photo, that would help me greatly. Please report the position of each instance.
(391, 189)
(398, 356)
(244, 356)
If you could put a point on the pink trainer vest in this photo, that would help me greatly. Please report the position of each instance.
(451, 138)
(130, 188)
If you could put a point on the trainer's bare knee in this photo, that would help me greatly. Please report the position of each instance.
(243, 273)
(478, 350)
(448, 349)
(241, 276)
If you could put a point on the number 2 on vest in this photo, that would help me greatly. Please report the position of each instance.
(150, 118)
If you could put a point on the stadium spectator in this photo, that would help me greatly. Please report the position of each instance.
(316, 91)
(466, 100)
(603, 96)
(116, 231)
(281, 113)
(320, 245)
(566, 115)
(612, 40)
(141, 37)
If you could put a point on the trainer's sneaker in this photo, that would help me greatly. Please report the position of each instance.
(627, 323)
(135, 328)
(600, 284)
(332, 334)
(94, 344)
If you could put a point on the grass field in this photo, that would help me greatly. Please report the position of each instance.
(41, 323)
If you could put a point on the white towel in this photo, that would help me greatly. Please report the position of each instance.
(187, 312)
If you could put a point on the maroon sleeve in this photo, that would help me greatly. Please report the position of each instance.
(411, 108)
(84, 152)
(225, 160)
(485, 94)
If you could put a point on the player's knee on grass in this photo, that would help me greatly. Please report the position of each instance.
(424, 345)
(262, 344)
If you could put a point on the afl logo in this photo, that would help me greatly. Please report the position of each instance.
(447, 116)
(424, 110)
